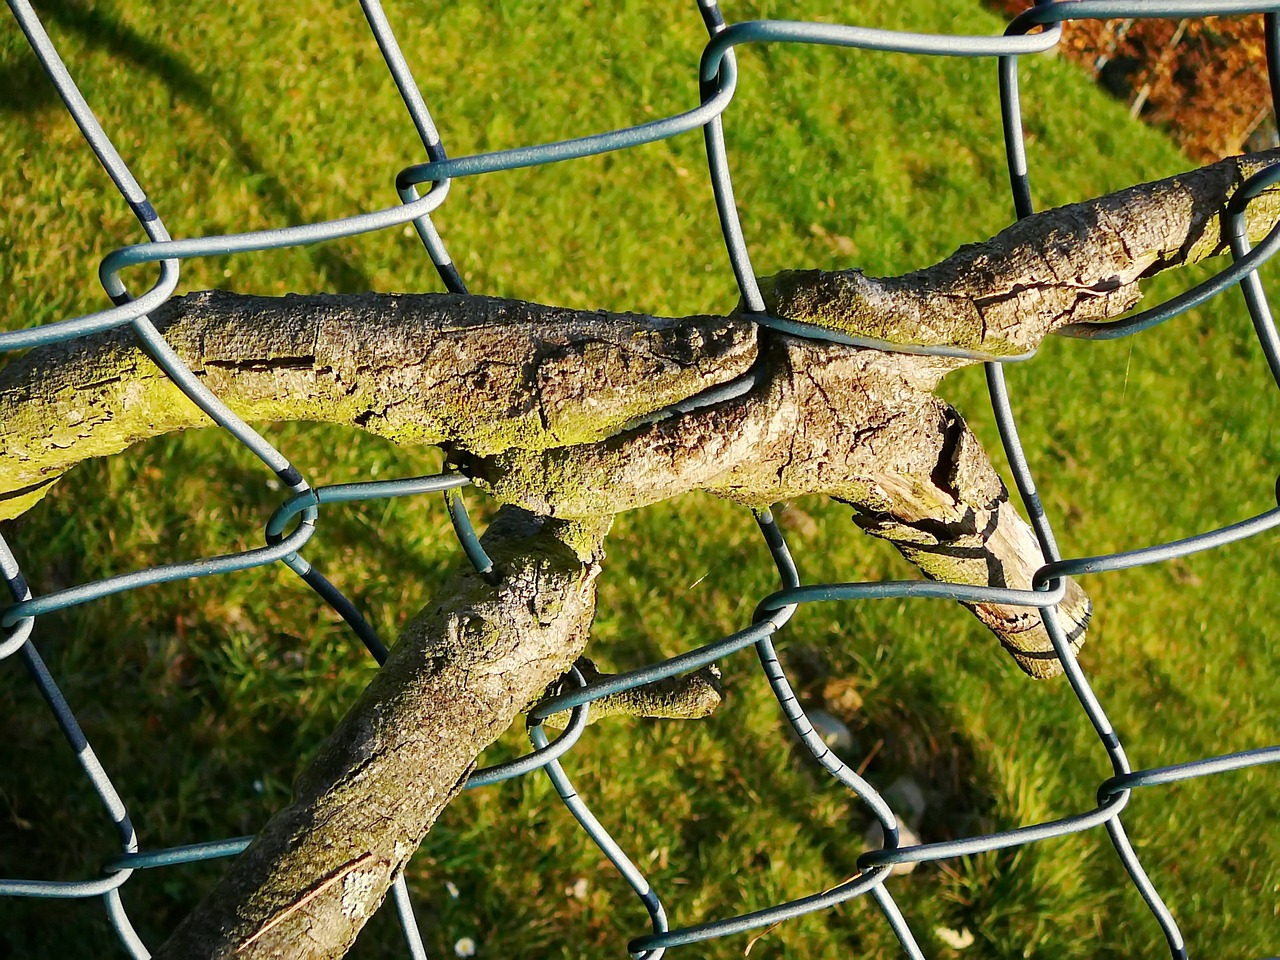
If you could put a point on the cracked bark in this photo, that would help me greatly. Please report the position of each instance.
(857, 425)
(489, 374)
(1075, 264)
(567, 417)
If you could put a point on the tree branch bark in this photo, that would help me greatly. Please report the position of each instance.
(482, 373)
(570, 417)
(1081, 263)
(461, 672)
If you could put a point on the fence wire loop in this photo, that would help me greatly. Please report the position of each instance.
(714, 78)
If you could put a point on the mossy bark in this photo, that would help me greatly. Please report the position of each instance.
(483, 373)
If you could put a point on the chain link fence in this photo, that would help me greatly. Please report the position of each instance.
(1035, 31)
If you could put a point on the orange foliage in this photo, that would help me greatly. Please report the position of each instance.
(1203, 80)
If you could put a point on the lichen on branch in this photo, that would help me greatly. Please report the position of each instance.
(485, 373)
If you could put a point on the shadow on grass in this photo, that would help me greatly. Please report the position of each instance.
(775, 814)
(901, 734)
(25, 88)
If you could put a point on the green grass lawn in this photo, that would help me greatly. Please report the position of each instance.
(203, 698)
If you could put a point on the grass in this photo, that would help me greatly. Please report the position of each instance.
(203, 698)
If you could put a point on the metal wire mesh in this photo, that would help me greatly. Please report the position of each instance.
(717, 78)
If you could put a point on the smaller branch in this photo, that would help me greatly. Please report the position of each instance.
(1079, 263)
(688, 697)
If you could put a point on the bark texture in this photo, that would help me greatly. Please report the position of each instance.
(484, 373)
(1075, 264)
(857, 425)
(461, 672)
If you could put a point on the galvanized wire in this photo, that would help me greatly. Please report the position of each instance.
(716, 78)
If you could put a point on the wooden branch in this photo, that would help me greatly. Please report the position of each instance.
(536, 401)
(1075, 264)
(470, 662)
(489, 376)
(482, 373)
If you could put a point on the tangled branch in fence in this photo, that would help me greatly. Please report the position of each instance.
(821, 382)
